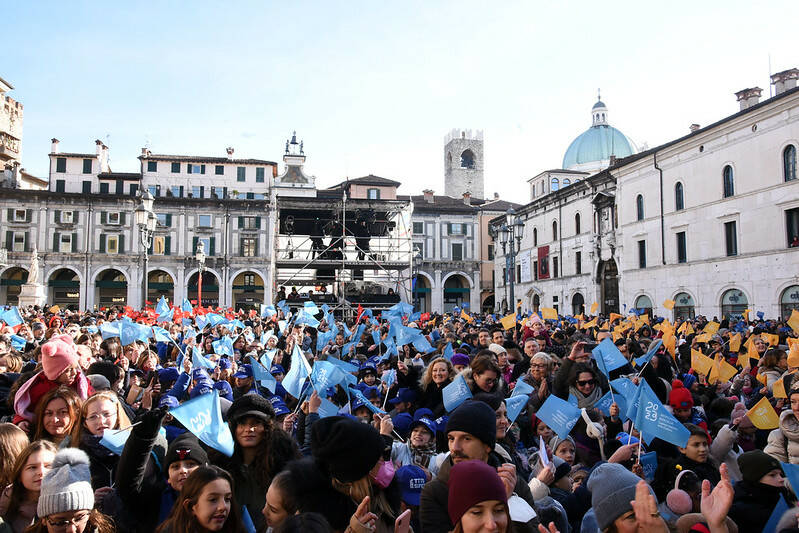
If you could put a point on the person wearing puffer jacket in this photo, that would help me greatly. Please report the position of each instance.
(783, 442)
(724, 448)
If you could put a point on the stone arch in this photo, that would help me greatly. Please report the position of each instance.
(111, 286)
(11, 281)
(62, 291)
(211, 293)
(158, 286)
(245, 295)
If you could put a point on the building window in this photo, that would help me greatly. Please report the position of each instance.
(456, 229)
(418, 228)
(65, 243)
(577, 224)
(112, 244)
(518, 273)
(159, 245)
(418, 247)
(555, 265)
(87, 187)
(578, 262)
(196, 192)
(133, 189)
(152, 166)
(554, 230)
(61, 164)
(250, 223)
(113, 219)
(682, 253)
(241, 173)
(60, 185)
(535, 236)
(373, 194)
(20, 215)
(457, 252)
(104, 188)
(679, 199)
(87, 166)
(196, 169)
(249, 247)
(153, 190)
(731, 238)
(729, 182)
(535, 270)
(204, 221)
(491, 252)
(467, 159)
(555, 184)
(67, 217)
(641, 254)
(175, 191)
(259, 175)
(639, 207)
(219, 170)
(789, 163)
(164, 220)
(175, 168)
(792, 225)
(566, 182)
(19, 242)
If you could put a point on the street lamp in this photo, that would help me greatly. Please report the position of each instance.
(145, 220)
(200, 257)
(417, 263)
(511, 232)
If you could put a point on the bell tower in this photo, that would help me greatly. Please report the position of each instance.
(463, 163)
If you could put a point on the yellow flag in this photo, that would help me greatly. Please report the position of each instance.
(778, 390)
(711, 327)
(670, 343)
(549, 313)
(580, 317)
(508, 322)
(750, 347)
(686, 328)
(763, 415)
(614, 316)
(591, 324)
(794, 321)
(771, 340)
(762, 379)
(55, 309)
(721, 371)
(668, 304)
(743, 360)
(466, 317)
(746, 314)
(703, 337)
(594, 308)
(735, 343)
(518, 304)
(616, 336)
(701, 363)
(793, 354)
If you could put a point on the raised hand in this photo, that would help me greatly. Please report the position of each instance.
(716, 504)
(363, 521)
(647, 516)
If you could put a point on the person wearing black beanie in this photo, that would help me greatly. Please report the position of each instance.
(759, 491)
(471, 434)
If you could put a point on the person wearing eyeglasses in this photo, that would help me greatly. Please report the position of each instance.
(66, 498)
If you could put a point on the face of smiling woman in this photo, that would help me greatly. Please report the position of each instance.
(213, 505)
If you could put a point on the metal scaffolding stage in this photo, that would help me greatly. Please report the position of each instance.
(356, 249)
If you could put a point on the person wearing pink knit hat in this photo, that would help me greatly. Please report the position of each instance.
(59, 359)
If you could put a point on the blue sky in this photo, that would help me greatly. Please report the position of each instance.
(373, 87)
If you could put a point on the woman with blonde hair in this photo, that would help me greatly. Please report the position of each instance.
(20, 497)
(56, 415)
(438, 374)
(101, 411)
(12, 441)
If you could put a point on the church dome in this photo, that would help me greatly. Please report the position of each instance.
(592, 149)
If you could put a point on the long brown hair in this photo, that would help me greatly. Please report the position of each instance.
(427, 377)
(182, 519)
(73, 402)
(12, 441)
(122, 419)
(18, 490)
(276, 449)
(98, 523)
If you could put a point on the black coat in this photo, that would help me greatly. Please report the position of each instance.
(753, 504)
(432, 398)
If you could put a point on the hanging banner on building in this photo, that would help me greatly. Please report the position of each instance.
(543, 262)
(524, 263)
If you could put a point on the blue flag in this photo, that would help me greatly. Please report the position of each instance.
(18, 343)
(268, 311)
(310, 308)
(522, 387)
(422, 345)
(389, 378)
(262, 375)
(115, 439)
(201, 321)
(448, 352)
(653, 420)
(131, 332)
(649, 462)
(11, 317)
(644, 359)
(109, 329)
(303, 317)
(608, 357)
(215, 319)
(792, 474)
(776, 515)
(223, 346)
(515, 405)
(625, 387)
(573, 400)
(345, 366)
(325, 374)
(203, 417)
(186, 306)
(559, 415)
(168, 316)
(604, 403)
(246, 520)
(199, 360)
(359, 395)
(327, 408)
(297, 374)
(161, 335)
(283, 307)
(456, 393)
(162, 307)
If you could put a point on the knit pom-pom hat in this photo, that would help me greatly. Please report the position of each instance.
(67, 486)
(58, 354)
(680, 397)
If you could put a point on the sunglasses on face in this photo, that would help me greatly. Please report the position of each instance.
(583, 383)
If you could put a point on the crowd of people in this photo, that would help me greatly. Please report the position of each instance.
(393, 421)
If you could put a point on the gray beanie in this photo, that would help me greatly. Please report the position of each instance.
(67, 486)
(612, 489)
